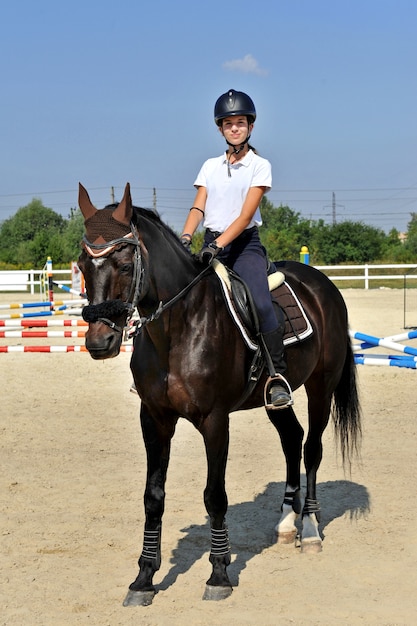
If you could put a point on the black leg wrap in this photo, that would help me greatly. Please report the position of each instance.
(152, 546)
(219, 542)
(292, 498)
(312, 506)
(218, 585)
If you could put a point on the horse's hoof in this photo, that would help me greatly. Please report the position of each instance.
(138, 598)
(313, 546)
(288, 536)
(217, 593)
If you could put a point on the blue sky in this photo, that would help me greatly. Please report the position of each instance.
(108, 92)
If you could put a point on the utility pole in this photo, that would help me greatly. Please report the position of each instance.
(112, 195)
(334, 205)
(154, 199)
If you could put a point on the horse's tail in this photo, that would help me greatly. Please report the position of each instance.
(346, 409)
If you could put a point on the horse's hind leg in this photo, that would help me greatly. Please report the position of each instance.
(157, 441)
(291, 435)
(318, 411)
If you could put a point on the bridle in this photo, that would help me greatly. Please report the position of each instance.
(103, 311)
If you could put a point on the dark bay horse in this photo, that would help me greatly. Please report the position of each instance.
(190, 361)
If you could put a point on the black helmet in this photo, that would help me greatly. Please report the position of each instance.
(234, 103)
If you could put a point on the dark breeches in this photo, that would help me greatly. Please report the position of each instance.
(247, 257)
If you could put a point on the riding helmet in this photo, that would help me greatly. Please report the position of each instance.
(234, 103)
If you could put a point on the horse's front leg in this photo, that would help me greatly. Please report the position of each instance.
(157, 441)
(216, 438)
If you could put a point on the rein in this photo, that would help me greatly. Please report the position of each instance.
(113, 308)
(144, 321)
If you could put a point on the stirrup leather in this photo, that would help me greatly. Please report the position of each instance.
(267, 402)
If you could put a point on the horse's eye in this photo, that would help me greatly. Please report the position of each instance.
(125, 268)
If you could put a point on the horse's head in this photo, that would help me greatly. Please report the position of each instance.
(111, 263)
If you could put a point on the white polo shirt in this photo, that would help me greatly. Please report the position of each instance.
(226, 194)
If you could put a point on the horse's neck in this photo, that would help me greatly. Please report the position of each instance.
(169, 270)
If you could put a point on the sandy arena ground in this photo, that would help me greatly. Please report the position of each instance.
(71, 515)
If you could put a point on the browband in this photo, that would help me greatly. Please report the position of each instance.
(97, 250)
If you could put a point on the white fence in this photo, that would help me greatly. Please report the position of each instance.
(365, 274)
(32, 280)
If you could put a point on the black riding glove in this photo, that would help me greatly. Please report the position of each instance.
(186, 242)
(208, 253)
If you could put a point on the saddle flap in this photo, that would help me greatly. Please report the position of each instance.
(243, 311)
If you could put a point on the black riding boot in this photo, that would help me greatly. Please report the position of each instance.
(278, 389)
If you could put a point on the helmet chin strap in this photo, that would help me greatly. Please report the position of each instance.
(237, 149)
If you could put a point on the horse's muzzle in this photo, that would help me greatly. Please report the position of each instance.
(102, 342)
(106, 321)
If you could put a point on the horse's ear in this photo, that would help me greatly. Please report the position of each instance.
(87, 207)
(123, 213)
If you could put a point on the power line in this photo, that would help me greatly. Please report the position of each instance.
(191, 190)
(173, 202)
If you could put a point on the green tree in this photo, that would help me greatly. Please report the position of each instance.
(25, 238)
(395, 250)
(72, 236)
(349, 242)
(410, 244)
(283, 231)
(198, 240)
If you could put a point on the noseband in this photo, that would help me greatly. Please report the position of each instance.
(104, 311)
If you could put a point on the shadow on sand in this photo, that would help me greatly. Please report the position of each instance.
(251, 525)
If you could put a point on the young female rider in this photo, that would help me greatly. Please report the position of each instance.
(229, 190)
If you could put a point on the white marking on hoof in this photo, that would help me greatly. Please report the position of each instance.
(310, 536)
(286, 537)
(309, 546)
(286, 530)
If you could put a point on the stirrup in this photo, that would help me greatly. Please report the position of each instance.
(268, 403)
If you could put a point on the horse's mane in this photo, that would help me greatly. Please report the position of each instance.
(149, 214)
(152, 216)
